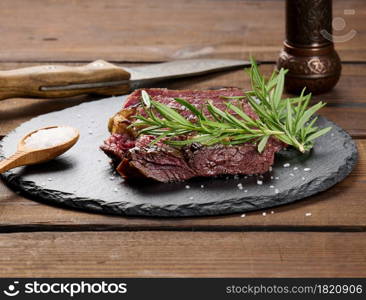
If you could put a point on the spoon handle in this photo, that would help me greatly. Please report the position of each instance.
(16, 160)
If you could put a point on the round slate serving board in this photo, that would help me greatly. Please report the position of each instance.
(83, 178)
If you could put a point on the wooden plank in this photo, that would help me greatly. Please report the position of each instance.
(346, 103)
(340, 208)
(87, 30)
(188, 254)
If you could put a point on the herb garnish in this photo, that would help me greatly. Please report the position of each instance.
(289, 120)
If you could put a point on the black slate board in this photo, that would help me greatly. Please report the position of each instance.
(83, 178)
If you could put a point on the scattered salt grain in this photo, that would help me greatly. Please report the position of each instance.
(111, 178)
(303, 178)
(202, 186)
(242, 216)
(259, 182)
(271, 186)
(245, 191)
(188, 187)
(264, 214)
(49, 179)
(295, 168)
(272, 212)
(240, 186)
(272, 177)
(277, 191)
(277, 178)
(307, 169)
(236, 177)
(308, 214)
(291, 174)
(46, 138)
(286, 165)
(115, 190)
(270, 169)
(245, 177)
(90, 132)
(191, 198)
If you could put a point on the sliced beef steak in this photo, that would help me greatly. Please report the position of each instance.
(135, 157)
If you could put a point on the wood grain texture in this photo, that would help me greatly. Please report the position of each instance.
(183, 254)
(33, 81)
(124, 31)
(340, 208)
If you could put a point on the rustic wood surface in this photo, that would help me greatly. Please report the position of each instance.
(183, 254)
(56, 241)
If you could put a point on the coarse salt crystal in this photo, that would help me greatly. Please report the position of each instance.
(286, 165)
(271, 186)
(259, 182)
(277, 191)
(188, 187)
(307, 169)
(291, 174)
(49, 179)
(272, 212)
(308, 214)
(246, 191)
(295, 168)
(191, 198)
(115, 190)
(303, 178)
(270, 169)
(240, 186)
(264, 214)
(277, 178)
(47, 138)
(202, 186)
(243, 216)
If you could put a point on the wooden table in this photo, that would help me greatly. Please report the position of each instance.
(42, 240)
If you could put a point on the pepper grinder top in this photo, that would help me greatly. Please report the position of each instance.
(308, 52)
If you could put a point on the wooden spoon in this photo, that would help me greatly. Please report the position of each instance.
(28, 156)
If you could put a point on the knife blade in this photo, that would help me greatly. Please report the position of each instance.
(101, 77)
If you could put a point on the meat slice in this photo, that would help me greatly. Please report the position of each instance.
(137, 158)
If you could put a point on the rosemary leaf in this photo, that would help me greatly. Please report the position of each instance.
(289, 120)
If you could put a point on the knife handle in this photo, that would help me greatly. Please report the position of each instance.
(28, 82)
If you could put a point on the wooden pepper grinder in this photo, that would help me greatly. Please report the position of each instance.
(308, 52)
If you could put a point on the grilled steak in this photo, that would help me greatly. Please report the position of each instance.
(136, 158)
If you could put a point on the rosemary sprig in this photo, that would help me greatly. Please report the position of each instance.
(290, 120)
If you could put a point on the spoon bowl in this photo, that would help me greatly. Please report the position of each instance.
(27, 156)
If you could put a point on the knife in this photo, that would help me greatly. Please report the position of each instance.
(101, 77)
